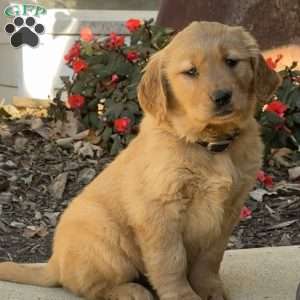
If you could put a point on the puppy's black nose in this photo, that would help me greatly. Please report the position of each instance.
(222, 97)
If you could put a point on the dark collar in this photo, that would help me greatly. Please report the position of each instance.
(219, 145)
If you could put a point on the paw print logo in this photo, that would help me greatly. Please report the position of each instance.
(24, 31)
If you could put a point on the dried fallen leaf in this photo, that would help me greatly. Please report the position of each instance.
(57, 188)
(36, 123)
(86, 175)
(52, 217)
(235, 241)
(259, 194)
(37, 215)
(284, 185)
(20, 143)
(285, 240)
(3, 227)
(280, 156)
(32, 231)
(282, 225)
(67, 142)
(87, 150)
(272, 213)
(67, 128)
(11, 110)
(17, 224)
(294, 173)
(4, 183)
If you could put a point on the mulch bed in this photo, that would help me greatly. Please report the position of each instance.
(38, 178)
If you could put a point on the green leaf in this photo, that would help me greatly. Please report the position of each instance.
(117, 95)
(268, 135)
(135, 76)
(88, 92)
(87, 48)
(296, 117)
(128, 138)
(116, 146)
(85, 121)
(284, 90)
(93, 83)
(101, 71)
(114, 111)
(294, 97)
(289, 121)
(106, 135)
(129, 115)
(132, 94)
(85, 76)
(270, 119)
(121, 66)
(101, 58)
(95, 121)
(93, 104)
(133, 107)
(78, 87)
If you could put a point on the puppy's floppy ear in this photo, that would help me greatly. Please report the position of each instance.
(266, 80)
(152, 90)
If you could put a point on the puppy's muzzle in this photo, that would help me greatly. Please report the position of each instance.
(222, 101)
(221, 98)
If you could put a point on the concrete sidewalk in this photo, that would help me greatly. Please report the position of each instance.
(264, 273)
(255, 274)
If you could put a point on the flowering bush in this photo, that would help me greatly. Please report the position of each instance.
(280, 117)
(103, 89)
(107, 71)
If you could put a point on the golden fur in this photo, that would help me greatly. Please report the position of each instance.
(166, 206)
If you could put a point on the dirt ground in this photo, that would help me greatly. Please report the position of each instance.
(40, 175)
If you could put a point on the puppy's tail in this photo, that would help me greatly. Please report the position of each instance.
(34, 274)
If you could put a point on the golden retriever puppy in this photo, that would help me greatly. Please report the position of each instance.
(166, 205)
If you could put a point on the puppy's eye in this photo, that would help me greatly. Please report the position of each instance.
(231, 62)
(192, 72)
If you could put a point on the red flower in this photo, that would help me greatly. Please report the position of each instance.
(114, 78)
(133, 24)
(265, 179)
(272, 64)
(245, 213)
(132, 56)
(79, 65)
(86, 34)
(76, 101)
(115, 41)
(121, 125)
(277, 107)
(73, 53)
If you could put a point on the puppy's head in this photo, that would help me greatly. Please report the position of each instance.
(209, 75)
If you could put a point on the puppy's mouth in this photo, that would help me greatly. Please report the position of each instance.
(225, 111)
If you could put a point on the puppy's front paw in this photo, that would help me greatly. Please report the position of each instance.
(213, 295)
(211, 289)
